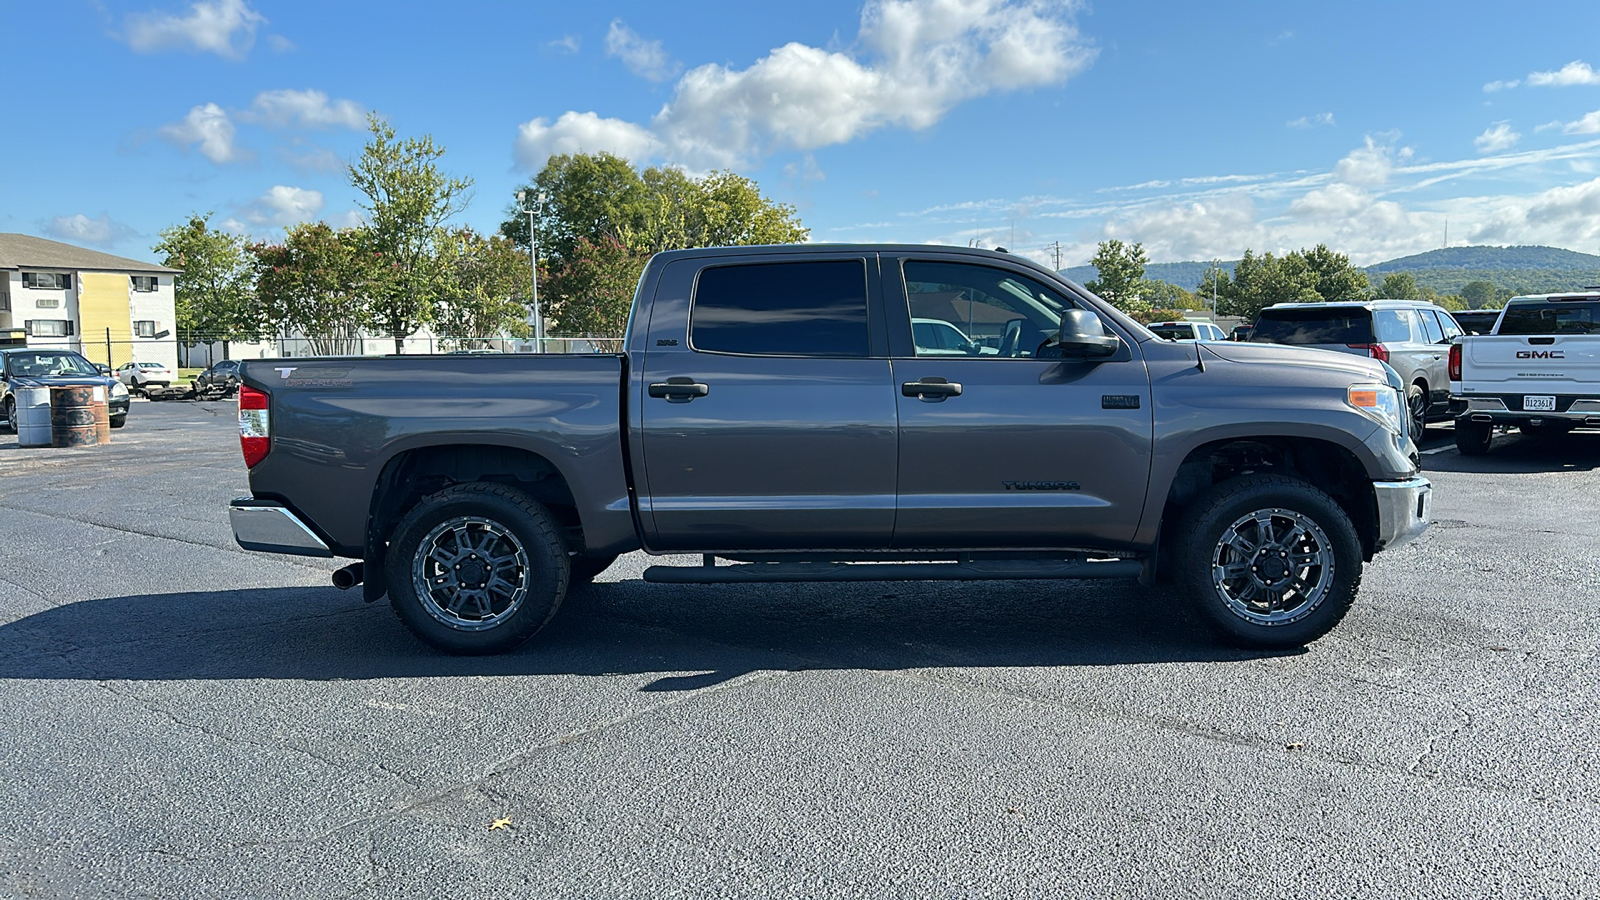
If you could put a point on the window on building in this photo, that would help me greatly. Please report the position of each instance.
(143, 283)
(144, 328)
(48, 327)
(48, 302)
(782, 309)
(48, 281)
(5, 301)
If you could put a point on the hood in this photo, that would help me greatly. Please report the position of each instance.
(59, 380)
(1357, 367)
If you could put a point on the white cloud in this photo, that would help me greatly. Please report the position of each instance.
(1567, 216)
(1589, 124)
(1311, 121)
(282, 206)
(224, 27)
(575, 132)
(1496, 137)
(280, 44)
(920, 59)
(81, 229)
(643, 58)
(304, 109)
(350, 218)
(1370, 165)
(209, 126)
(567, 43)
(1576, 72)
(1493, 86)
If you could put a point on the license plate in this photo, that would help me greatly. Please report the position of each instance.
(1538, 404)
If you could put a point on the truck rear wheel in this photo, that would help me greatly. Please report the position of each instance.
(476, 568)
(1473, 438)
(1269, 561)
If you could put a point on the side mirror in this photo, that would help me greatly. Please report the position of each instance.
(104, 369)
(1083, 337)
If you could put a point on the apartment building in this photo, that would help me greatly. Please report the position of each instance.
(111, 309)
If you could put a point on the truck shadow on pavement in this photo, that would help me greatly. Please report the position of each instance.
(690, 637)
(1520, 454)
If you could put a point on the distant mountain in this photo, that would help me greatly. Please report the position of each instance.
(1522, 270)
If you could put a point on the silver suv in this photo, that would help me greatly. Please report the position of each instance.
(1412, 336)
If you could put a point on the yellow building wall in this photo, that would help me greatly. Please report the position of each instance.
(103, 304)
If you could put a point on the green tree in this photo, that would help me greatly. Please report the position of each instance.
(1479, 294)
(486, 286)
(1119, 271)
(1399, 286)
(592, 291)
(585, 196)
(407, 202)
(213, 289)
(728, 210)
(1166, 297)
(1336, 279)
(1262, 281)
(1214, 284)
(318, 283)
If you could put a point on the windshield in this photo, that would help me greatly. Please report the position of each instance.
(46, 364)
(1313, 326)
(1551, 318)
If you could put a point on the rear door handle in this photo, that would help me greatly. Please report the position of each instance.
(932, 390)
(678, 390)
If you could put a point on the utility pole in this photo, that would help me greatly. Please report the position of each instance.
(1058, 255)
(533, 263)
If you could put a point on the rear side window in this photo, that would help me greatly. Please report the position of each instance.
(1551, 318)
(1313, 326)
(1397, 326)
(782, 309)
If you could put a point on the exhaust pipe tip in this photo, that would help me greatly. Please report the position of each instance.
(349, 576)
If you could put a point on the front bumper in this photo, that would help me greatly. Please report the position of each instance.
(269, 527)
(1403, 509)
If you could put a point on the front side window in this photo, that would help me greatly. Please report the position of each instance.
(1430, 326)
(1448, 324)
(782, 309)
(986, 311)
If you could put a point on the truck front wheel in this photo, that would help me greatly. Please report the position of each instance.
(476, 568)
(1269, 561)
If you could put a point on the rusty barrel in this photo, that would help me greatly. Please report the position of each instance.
(72, 416)
(102, 416)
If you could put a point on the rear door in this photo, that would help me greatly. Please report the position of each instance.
(766, 416)
(1003, 448)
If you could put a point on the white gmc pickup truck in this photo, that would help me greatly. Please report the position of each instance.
(1538, 370)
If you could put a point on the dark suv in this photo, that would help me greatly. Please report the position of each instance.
(1412, 336)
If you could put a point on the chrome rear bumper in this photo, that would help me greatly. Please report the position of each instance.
(1403, 510)
(269, 527)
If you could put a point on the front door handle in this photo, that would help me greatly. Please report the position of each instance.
(931, 390)
(678, 390)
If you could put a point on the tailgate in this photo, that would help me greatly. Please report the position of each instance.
(1556, 364)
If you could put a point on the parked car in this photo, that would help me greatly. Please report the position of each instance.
(1412, 336)
(1476, 321)
(1187, 331)
(1240, 333)
(141, 376)
(1539, 371)
(32, 367)
(936, 337)
(772, 407)
(221, 380)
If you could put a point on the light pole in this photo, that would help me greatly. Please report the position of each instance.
(533, 262)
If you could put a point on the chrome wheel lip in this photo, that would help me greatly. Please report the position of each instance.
(1274, 580)
(492, 553)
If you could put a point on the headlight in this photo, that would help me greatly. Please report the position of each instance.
(118, 389)
(1380, 403)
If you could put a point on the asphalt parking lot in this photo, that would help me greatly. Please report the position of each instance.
(180, 718)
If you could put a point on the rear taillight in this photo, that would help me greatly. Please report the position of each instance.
(1455, 362)
(1377, 351)
(255, 425)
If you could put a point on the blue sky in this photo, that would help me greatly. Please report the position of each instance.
(1199, 130)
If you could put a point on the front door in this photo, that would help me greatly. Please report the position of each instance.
(1028, 451)
(767, 420)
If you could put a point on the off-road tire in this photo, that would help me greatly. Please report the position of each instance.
(1417, 410)
(1473, 438)
(1289, 504)
(519, 541)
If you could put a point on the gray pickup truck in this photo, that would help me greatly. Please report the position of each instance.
(776, 412)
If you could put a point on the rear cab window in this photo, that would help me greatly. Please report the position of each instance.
(1313, 326)
(1553, 317)
(782, 309)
